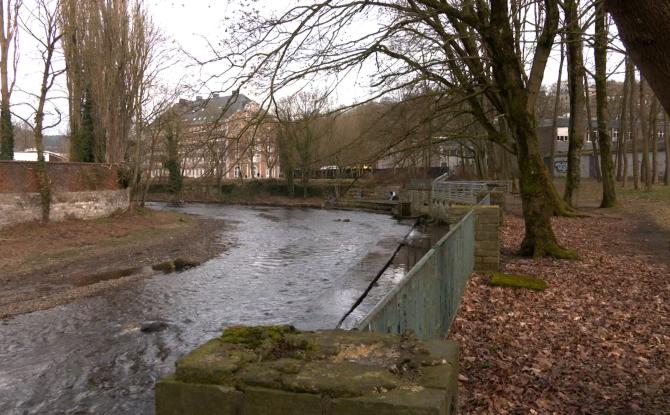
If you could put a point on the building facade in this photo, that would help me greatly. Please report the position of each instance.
(220, 137)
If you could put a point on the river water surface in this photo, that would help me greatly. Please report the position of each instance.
(298, 266)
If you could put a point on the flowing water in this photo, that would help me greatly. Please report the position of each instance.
(298, 266)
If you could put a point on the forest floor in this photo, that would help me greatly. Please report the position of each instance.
(44, 266)
(597, 340)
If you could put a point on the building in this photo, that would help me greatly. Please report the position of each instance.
(588, 165)
(220, 137)
(30, 154)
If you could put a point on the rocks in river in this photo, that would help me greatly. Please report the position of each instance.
(153, 326)
(342, 220)
(179, 264)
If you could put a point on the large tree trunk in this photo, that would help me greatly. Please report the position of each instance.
(538, 194)
(576, 74)
(604, 139)
(643, 27)
(666, 142)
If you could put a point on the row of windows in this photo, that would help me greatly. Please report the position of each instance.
(615, 136)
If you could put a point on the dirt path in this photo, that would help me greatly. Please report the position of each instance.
(596, 341)
(46, 266)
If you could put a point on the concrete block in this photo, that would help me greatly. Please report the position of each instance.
(411, 401)
(260, 401)
(178, 398)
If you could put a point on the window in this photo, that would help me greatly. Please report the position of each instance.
(563, 138)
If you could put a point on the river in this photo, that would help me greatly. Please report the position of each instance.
(304, 267)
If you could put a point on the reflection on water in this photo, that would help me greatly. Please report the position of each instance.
(283, 266)
(419, 241)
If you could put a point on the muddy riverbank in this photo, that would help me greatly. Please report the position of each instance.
(45, 266)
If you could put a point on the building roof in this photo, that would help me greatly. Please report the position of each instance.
(207, 110)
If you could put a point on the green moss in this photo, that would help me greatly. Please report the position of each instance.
(254, 337)
(498, 279)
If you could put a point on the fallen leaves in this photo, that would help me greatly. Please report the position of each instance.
(597, 340)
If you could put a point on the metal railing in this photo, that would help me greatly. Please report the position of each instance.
(465, 192)
(427, 298)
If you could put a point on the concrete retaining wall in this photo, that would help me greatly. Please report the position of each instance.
(18, 208)
(419, 199)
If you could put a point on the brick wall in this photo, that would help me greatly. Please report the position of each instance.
(21, 177)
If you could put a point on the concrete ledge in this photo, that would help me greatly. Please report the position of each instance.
(278, 370)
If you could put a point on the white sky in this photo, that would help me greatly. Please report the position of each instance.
(186, 23)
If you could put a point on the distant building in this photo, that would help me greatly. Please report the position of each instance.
(559, 138)
(221, 137)
(30, 154)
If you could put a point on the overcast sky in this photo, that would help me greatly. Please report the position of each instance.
(186, 24)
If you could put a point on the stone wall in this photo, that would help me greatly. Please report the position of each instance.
(419, 199)
(280, 371)
(79, 191)
(487, 230)
(18, 208)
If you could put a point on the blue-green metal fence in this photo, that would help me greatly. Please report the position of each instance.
(427, 299)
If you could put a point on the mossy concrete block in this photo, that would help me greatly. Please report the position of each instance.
(262, 401)
(410, 401)
(276, 371)
(341, 379)
(215, 362)
(179, 398)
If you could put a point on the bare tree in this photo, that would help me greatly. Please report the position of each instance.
(603, 137)
(9, 15)
(471, 49)
(108, 49)
(45, 16)
(557, 103)
(576, 73)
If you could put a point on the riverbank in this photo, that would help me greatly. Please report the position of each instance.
(597, 339)
(44, 266)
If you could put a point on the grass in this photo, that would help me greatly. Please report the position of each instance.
(659, 193)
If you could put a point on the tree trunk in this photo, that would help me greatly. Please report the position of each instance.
(622, 156)
(633, 124)
(653, 138)
(538, 194)
(666, 141)
(646, 170)
(576, 74)
(603, 136)
(643, 28)
(554, 124)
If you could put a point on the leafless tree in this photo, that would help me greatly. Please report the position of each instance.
(479, 49)
(9, 14)
(42, 25)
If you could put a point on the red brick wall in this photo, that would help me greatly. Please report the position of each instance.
(20, 177)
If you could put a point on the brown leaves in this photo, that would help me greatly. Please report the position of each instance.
(596, 341)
